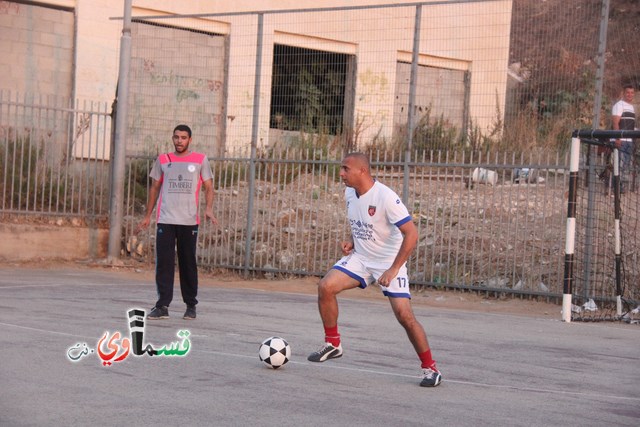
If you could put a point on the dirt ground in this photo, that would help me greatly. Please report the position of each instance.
(451, 300)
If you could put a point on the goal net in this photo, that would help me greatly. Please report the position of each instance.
(602, 269)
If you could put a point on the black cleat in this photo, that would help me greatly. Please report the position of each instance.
(328, 351)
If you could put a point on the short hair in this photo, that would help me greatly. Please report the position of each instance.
(628, 86)
(360, 157)
(183, 128)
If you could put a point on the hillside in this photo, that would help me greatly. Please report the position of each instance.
(557, 43)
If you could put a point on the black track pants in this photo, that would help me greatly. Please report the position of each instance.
(184, 238)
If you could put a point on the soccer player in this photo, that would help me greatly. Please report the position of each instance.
(176, 181)
(383, 236)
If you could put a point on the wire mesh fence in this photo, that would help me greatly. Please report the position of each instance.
(486, 222)
(486, 74)
(342, 73)
(425, 84)
(465, 107)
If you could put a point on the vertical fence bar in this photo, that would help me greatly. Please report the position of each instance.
(31, 147)
(591, 173)
(72, 119)
(119, 155)
(18, 156)
(4, 140)
(103, 143)
(600, 59)
(63, 175)
(412, 101)
(254, 143)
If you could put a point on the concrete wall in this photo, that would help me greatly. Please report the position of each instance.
(21, 242)
(440, 92)
(168, 87)
(36, 49)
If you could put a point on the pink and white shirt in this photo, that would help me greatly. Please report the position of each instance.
(181, 178)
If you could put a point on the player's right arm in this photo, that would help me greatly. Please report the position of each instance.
(346, 247)
(409, 243)
(154, 192)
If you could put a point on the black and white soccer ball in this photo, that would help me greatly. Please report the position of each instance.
(275, 352)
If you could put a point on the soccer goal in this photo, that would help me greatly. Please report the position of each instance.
(602, 247)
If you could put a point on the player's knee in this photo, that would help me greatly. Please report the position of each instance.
(326, 287)
(322, 287)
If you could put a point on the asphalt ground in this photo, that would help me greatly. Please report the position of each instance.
(498, 369)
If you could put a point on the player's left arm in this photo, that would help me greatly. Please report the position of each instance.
(409, 243)
(208, 197)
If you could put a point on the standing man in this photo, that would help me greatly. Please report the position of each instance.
(176, 181)
(623, 117)
(383, 236)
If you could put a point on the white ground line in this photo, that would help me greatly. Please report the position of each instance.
(370, 371)
(44, 330)
(446, 380)
(51, 285)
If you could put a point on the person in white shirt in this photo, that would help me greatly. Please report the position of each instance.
(623, 117)
(383, 236)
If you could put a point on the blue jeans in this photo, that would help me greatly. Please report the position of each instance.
(626, 153)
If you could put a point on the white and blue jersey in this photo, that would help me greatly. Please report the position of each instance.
(374, 218)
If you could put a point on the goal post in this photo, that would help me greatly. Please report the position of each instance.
(606, 139)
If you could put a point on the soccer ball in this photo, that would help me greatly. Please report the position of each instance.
(274, 352)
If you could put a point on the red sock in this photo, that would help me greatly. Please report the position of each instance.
(427, 360)
(332, 336)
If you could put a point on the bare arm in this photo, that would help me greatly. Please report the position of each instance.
(154, 192)
(409, 243)
(208, 196)
(346, 247)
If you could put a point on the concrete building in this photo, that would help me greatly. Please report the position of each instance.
(200, 69)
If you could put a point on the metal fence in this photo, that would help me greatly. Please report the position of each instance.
(488, 74)
(465, 107)
(425, 81)
(489, 222)
(54, 157)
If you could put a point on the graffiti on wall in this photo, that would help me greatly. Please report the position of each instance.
(9, 8)
(167, 89)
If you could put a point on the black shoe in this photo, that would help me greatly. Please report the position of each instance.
(159, 313)
(430, 377)
(325, 353)
(190, 314)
